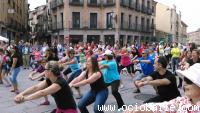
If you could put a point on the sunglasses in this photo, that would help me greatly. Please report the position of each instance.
(187, 81)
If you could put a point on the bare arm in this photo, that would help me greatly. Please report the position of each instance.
(14, 63)
(47, 91)
(159, 82)
(34, 88)
(91, 79)
(103, 66)
(70, 62)
(78, 79)
(149, 78)
(38, 76)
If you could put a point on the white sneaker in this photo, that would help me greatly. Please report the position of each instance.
(121, 86)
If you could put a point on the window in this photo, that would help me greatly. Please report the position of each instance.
(143, 4)
(130, 21)
(55, 22)
(148, 4)
(142, 24)
(137, 4)
(93, 20)
(136, 22)
(130, 2)
(76, 1)
(152, 22)
(122, 20)
(109, 22)
(76, 19)
(109, 1)
(13, 5)
(152, 9)
(148, 24)
(93, 1)
(61, 16)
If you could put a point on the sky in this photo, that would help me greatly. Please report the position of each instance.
(189, 10)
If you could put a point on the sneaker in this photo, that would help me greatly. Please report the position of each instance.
(120, 109)
(121, 86)
(12, 90)
(45, 103)
(136, 91)
(17, 92)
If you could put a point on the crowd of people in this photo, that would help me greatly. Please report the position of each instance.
(61, 68)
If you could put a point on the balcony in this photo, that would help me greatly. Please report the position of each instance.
(153, 26)
(57, 26)
(124, 3)
(56, 3)
(130, 26)
(149, 11)
(144, 9)
(76, 2)
(60, 3)
(12, 25)
(93, 3)
(109, 3)
(132, 5)
(60, 25)
(137, 7)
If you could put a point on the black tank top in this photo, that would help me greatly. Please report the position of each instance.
(98, 85)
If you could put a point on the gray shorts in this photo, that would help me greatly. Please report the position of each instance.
(140, 76)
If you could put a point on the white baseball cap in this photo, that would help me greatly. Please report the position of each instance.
(193, 73)
(108, 52)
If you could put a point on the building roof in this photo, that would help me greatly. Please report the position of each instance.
(40, 7)
(184, 24)
(198, 30)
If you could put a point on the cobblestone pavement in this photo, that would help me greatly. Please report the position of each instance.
(7, 105)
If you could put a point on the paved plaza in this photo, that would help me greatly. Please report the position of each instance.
(7, 105)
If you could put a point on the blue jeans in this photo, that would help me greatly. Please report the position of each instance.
(14, 75)
(74, 75)
(175, 62)
(99, 99)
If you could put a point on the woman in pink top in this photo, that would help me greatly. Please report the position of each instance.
(37, 55)
(126, 61)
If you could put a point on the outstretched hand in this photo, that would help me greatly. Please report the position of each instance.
(19, 99)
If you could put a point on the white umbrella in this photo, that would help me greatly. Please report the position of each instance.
(3, 39)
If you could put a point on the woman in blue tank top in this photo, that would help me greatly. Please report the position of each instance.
(73, 70)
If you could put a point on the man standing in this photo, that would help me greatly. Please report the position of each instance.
(26, 55)
(176, 52)
(1, 61)
(163, 80)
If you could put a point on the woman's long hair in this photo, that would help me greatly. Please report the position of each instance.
(95, 65)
